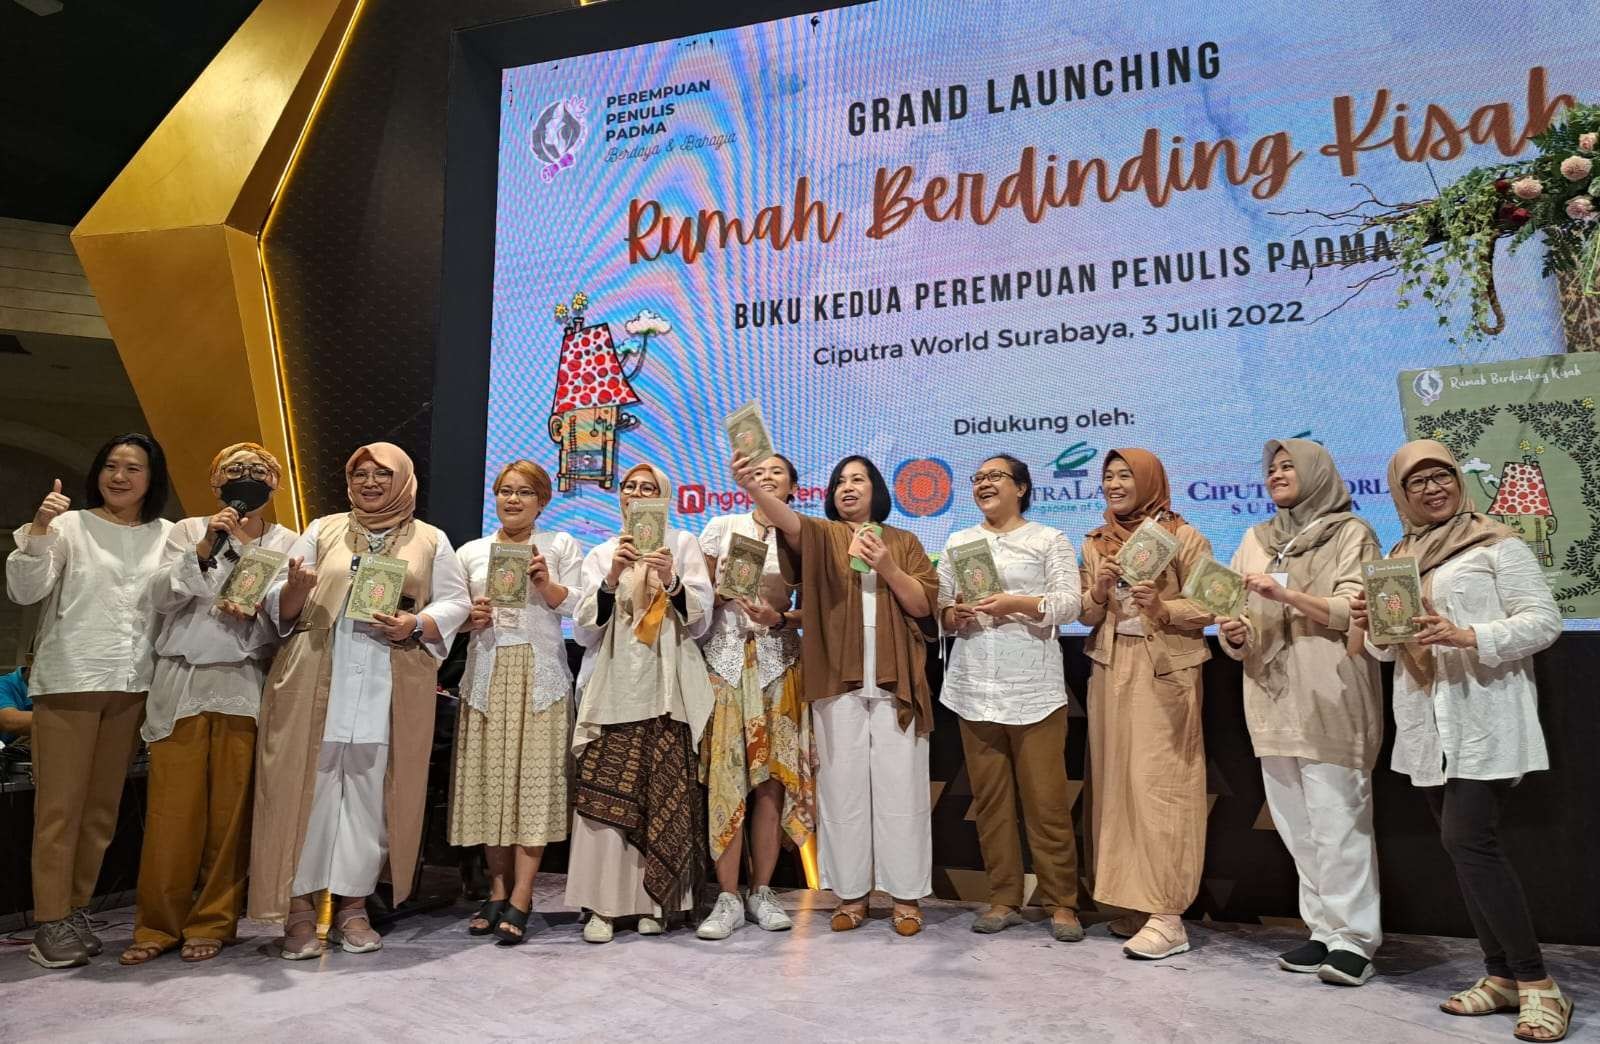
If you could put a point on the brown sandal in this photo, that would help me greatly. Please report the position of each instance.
(139, 953)
(196, 950)
(906, 924)
(848, 916)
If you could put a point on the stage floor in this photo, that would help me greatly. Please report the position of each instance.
(433, 981)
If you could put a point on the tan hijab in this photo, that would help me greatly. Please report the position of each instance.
(640, 588)
(1433, 544)
(1296, 537)
(401, 503)
(1155, 501)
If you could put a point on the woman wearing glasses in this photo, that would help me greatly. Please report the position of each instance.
(509, 790)
(347, 719)
(1146, 751)
(91, 569)
(638, 839)
(868, 595)
(1007, 684)
(200, 719)
(1466, 715)
(1313, 702)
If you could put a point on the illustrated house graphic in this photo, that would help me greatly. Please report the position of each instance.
(591, 390)
(1522, 501)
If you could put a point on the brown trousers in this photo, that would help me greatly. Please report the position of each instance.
(83, 743)
(1003, 762)
(197, 831)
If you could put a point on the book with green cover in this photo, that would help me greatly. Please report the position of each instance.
(1216, 587)
(646, 522)
(1146, 553)
(747, 433)
(977, 577)
(859, 564)
(508, 575)
(1394, 599)
(376, 587)
(247, 585)
(739, 572)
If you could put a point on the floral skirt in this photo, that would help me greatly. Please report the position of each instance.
(510, 781)
(756, 735)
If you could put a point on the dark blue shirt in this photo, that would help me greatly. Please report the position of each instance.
(13, 696)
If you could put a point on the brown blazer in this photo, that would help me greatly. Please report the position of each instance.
(1178, 643)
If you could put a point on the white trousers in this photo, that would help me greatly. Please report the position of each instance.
(1324, 815)
(346, 838)
(874, 828)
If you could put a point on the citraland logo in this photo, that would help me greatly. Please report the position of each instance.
(922, 486)
(1069, 463)
(557, 132)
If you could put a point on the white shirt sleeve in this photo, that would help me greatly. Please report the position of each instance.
(566, 568)
(34, 567)
(585, 630)
(946, 572)
(712, 536)
(180, 578)
(1532, 621)
(451, 601)
(304, 548)
(1062, 596)
(698, 596)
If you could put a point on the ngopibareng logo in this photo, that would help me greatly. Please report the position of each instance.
(922, 486)
(557, 132)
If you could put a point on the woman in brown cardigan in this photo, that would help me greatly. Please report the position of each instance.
(871, 708)
(346, 721)
(1147, 755)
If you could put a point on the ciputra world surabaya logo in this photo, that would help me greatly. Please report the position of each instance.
(557, 132)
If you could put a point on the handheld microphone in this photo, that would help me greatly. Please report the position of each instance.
(219, 544)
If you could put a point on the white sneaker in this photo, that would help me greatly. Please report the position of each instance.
(763, 909)
(651, 926)
(723, 919)
(598, 930)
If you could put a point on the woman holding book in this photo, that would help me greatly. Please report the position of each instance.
(509, 784)
(1006, 682)
(867, 609)
(1146, 750)
(346, 723)
(643, 703)
(200, 720)
(93, 659)
(1313, 702)
(1466, 715)
(756, 759)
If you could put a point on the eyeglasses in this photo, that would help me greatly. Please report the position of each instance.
(643, 489)
(520, 494)
(1442, 479)
(382, 476)
(990, 476)
(239, 471)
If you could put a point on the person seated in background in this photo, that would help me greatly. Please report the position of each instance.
(16, 709)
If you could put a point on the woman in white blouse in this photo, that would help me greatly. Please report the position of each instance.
(638, 836)
(92, 665)
(509, 790)
(200, 719)
(1007, 684)
(1466, 715)
(346, 725)
(756, 760)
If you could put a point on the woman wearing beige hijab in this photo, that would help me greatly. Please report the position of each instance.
(1313, 702)
(1146, 751)
(346, 724)
(1466, 715)
(638, 838)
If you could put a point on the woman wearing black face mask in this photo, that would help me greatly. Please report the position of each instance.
(200, 719)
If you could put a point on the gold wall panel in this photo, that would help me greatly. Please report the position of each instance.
(172, 249)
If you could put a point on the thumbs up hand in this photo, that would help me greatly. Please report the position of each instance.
(55, 502)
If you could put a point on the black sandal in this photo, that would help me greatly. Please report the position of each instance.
(518, 919)
(490, 913)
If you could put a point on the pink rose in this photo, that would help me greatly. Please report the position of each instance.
(1576, 168)
(1527, 188)
(1580, 208)
(1588, 142)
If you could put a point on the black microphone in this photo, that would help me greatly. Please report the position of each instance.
(219, 542)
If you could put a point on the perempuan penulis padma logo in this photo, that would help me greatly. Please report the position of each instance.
(557, 132)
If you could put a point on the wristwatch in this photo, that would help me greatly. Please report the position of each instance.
(416, 630)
